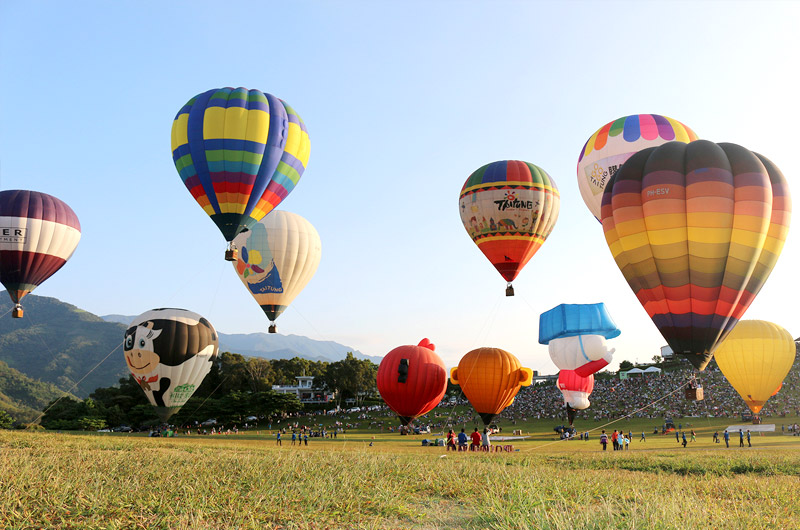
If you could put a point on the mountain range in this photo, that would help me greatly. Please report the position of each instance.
(75, 351)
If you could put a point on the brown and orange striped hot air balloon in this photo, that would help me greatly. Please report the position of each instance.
(490, 378)
(696, 230)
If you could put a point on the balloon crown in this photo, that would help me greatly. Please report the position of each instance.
(425, 343)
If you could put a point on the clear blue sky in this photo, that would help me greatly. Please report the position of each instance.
(402, 100)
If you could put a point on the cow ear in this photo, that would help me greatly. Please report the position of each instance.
(154, 334)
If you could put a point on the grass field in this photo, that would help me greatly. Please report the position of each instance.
(52, 480)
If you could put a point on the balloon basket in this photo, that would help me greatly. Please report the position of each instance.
(509, 290)
(273, 328)
(231, 254)
(695, 394)
(18, 312)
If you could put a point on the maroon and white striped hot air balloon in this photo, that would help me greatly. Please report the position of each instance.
(38, 234)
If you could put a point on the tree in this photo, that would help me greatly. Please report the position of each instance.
(657, 359)
(6, 421)
(624, 366)
(351, 378)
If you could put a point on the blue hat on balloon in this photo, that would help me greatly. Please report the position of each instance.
(569, 320)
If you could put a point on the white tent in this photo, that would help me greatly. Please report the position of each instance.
(651, 370)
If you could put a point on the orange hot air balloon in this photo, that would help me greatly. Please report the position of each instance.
(490, 378)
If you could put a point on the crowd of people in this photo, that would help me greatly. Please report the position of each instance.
(656, 396)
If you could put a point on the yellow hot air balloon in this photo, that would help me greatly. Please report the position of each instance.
(755, 358)
(490, 378)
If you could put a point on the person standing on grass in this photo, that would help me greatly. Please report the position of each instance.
(741, 438)
(677, 438)
(604, 439)
(278, 441)
(716, 437)
(614, 441)
(305, 439)
(485, 439)
(643, 439)
(684, 439)
(627, 442)
(727, 437)
(476, 440)
(694, 438)
(748, 438)
(294, 437)
(462, 440)
(451, 440)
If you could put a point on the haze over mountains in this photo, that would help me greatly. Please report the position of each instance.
(77, 351)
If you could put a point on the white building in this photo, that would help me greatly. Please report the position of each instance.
(304, 390)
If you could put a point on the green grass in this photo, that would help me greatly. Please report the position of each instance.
(223, 482)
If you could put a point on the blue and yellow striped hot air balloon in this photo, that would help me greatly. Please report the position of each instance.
(239, 152)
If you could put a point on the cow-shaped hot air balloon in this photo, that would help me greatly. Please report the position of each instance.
(38, 234)
(755, 358)
(509, 208)
(279, 256)
(576, 390)
(169, 352)
(490, 378)
(412, 380)
(576, 336)
(614, 143)
(239, 153)
(696, 229)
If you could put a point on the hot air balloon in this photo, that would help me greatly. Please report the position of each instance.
(755, 358)
(38, 234)
(696, 230)
(169, 352)
(412, 380)
(509, 208)
(239, 152)
(576, 336)
(490, 378)
(280, 254)
(576, 390)
(613, 143)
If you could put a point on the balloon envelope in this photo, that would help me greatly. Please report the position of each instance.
(696, 230)
(509, 208)
(755, 358)
(575, 388)
(239, 153)
(169, 352)
(576, 336)
(412, 380)
(38, 234)
(614, 143)
(279, 256)
(490, 378)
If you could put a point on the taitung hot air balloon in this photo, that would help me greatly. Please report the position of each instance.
(755, 358)
(38, 234)
(169, 352)
(576, 336)
(412, 380)
(490, 378)
(239, 152)
(614, 143)
(696, 230)
(576, 390)
(279, 256)
(509, 208)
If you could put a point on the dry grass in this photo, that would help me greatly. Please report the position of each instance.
(115, 482)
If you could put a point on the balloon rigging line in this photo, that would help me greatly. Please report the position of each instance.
(7, 312)
(192, 415)
(665, 396)
(53, 355)
(190, 279)
(487, 325)
(216, 291)
(77, 382)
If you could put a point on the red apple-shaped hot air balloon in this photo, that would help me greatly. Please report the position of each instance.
(412, 380)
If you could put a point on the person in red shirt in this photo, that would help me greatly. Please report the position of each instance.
(476, 440)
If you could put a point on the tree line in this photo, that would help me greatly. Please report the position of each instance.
(237, 387)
